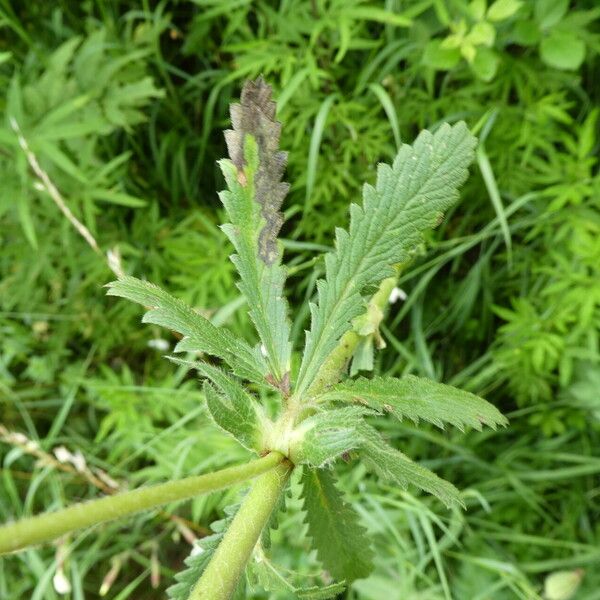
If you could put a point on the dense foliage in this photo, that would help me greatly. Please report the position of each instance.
(123, 107)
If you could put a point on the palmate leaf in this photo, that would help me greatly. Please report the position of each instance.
(254, 197)
(408, 198)
(323, 437)
(392, 465)
(419, 398)
(341, 541)
(231, 407)
(200, 335)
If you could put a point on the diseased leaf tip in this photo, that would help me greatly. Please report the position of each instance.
(255, 116)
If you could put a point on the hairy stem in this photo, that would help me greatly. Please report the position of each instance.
(220, 579)
(46, 527)
(331, 370)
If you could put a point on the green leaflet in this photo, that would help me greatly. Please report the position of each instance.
(232, 408)
(197, 562)
(273, 579)
(200, 335)
(253, 177)
(396, 467)
(341, 541)
(323, 437)
(408, 198)
(419, 398)
(229, 418)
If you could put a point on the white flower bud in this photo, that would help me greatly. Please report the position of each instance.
(397, 294)
(562, 585)
(60, 582)
(159, 344)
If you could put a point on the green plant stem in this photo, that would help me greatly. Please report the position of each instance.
(220, 579)
(51, 525)
(332, 369)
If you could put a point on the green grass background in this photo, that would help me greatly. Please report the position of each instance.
(124, 104)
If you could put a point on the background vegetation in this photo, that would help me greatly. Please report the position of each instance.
(123, 104)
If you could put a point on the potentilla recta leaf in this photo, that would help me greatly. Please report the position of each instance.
(419, 398)
(200, 335)
(231, 407)
(253, 201)
(408, 198)
(341, 541)
(392, 465)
